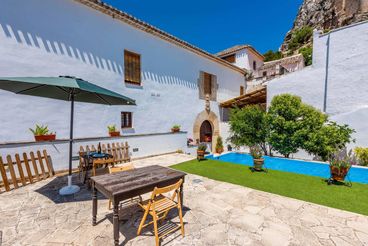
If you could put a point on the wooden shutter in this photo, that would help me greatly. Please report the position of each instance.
(241, 90)
(132, 67)
(207, 84)
(214, 87)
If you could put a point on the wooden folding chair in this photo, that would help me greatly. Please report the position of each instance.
(101, 162)
(158, 206)
(122, 169)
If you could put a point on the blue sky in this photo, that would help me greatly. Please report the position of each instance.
(218, 24)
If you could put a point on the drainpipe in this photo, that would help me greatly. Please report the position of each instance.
(326, 73)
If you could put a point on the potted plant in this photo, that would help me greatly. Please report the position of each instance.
(340, 164)
(112, 131)
(201, 151)
(258, 161)
(175, 128)
(41, 133)
(219, 145)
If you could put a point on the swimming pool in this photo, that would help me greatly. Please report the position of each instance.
(318, 169)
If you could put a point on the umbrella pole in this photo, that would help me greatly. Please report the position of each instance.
(70, 189)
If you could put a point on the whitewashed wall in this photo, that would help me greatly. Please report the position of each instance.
(59, 151)
(245, 58)
(63, 37)
(347, 100)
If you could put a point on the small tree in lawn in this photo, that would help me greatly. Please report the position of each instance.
(291, 121)
(284, 117)
(329, 139)
(248, 127)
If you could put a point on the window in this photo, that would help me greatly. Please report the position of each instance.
(132, 67)
(254, 65)
(230, 58)
(126, 119)
(241, 90)
(207, 83)
(265, 74)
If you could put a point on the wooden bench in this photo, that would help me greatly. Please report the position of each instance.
(23, 170)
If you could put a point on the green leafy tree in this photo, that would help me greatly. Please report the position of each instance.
(307, 53)
(291, 121)
(271, 55)
(248, 127)
(328, 139)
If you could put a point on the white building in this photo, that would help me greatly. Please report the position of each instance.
(337, 82)
(247, 57)
(166, 76)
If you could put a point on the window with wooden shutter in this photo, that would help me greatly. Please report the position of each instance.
(241, 90)
(207, 84)
(126, 120)
(132, 67)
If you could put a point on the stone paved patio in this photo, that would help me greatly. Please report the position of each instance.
(216, 214)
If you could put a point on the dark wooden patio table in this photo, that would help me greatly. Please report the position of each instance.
(128, 184)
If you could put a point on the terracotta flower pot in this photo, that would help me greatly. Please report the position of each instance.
(40, 138)
(174, 130)
(219, 150)
(258, 164)
(114, 134)
(339, 173)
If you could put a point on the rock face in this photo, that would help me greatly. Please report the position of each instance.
(328, 14)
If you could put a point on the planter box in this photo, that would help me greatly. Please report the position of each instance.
(41, 138)
(114, 134)
(174, 130)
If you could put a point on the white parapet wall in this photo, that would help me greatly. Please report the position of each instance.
(141, 145)
(347, 78)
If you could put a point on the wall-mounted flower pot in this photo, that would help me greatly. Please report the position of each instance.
(114, 134)
(258, 164)
(174, 130)
(40, 138)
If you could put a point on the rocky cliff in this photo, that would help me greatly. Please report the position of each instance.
(327, 15)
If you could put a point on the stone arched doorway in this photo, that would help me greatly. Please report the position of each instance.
(205, 132)
(207, 121)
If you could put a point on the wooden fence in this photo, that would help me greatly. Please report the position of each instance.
(24, 170)
(120, 152)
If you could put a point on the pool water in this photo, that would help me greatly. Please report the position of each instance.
(318, 169)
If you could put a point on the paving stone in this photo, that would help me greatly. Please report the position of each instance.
(216, 213)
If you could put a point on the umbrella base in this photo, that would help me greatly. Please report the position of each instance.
(70, 189)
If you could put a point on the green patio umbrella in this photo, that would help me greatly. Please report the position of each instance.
(66, 88)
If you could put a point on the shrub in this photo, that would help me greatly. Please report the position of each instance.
(330, 138)
(271, 55)
(342, 159)
(307, 53)
(362, 155)
(219, 144)
(300, 37)
(256, 152)
(202, 147)
(176, 127)
(248, 127)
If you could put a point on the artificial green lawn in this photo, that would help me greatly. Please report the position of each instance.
(302, 187)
